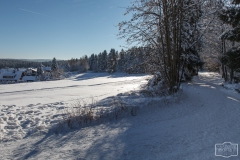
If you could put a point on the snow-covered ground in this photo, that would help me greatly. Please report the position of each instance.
(188, 127)
(30, 107)
(82, 85)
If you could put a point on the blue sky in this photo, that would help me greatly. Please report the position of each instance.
(43, 29)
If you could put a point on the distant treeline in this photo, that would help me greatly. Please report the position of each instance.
(17, 63)
(129, 61)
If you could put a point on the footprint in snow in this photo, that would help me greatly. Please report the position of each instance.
(30, 105)
(62, 107)
(28, 112)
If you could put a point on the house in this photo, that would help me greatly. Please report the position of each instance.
(27, 75)
(30, 72)
(11, 76)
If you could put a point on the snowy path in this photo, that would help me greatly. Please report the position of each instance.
(203, 115)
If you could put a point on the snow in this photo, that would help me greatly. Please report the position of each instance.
(29, 78)
(47, 69)
(184, 126)
(27, 108)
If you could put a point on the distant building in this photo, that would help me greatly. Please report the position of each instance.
(11, 76)
(30, 72)
(18, 75)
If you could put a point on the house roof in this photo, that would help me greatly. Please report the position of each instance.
(9, 74)
(16, 75)
(31, 69)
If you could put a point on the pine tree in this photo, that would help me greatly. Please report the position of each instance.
(40, 72)
(140, 60)
(67, 67)
(104, 60)
(54, 68)
(191, 44)
(100, 68)
(95, 63)
(91, 62)
(130, 56)
(111, 62)
(121, 61)
(83, 64)
(54, 65)
(231, 16)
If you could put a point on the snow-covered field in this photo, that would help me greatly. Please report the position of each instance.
(30, 107)
(186, 126)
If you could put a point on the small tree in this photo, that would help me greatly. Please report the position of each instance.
(67, 67)
(40, 72)
(91, 62)
(54, 68)
(111, 61)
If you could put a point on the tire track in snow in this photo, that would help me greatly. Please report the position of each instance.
(92, 85)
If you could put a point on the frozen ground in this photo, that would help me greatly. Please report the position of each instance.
(187, 128)
(27, 108)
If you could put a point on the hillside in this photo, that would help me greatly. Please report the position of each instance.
(184, 126)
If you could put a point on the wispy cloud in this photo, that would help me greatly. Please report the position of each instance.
(34, 12)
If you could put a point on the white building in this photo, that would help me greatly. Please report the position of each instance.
(11, 76)
(27, 75)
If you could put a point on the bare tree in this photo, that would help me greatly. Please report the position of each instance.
(170, 28)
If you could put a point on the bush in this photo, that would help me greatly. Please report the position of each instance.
(156, 86)
(80, 113)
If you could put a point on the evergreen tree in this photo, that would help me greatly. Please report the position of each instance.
(91, 62)
(121, 61)
(191, 44)
(54, 66)
(100, 62)
(40, 72)
(140, 60)
(83, 64)
(67, 67)
(129, 65)
(95, 63)
(231, 16)
(111, 62)
(104, 60)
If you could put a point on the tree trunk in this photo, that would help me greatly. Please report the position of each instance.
(231, 75)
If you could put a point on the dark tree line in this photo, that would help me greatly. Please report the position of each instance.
(129, 61)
